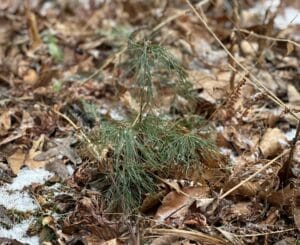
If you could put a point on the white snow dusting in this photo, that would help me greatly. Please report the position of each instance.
(290, 134)
(26, 177)
(289, 15)
(14, 197)
(18, 232)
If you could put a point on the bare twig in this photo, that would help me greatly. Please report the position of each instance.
(266, 233)
(251, 33)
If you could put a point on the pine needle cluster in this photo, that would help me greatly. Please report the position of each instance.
(147, 61)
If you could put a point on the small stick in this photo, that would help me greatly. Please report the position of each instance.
(251, 33)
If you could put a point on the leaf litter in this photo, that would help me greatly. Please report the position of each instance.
(97, 115)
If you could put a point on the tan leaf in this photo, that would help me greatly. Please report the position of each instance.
(272, 142)
(289, 48)
(31, 77)
(34, 151)
(5, 120)
(293, 94)
(112, 242)
(176, 204)
(16, 161)
(165, 240)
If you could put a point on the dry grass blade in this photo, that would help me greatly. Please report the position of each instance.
(192, 235)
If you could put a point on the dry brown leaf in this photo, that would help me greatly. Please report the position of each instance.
(112, 242)
(282, 197)
(248, 48)
(296, 207)
(165, 240)
(130, 102)
(35, 150)
(5, 121)
(289, 48)
(273, 141)
(31, 77)
(176, 204)
(16, 161)
(293, 94)
(191, 235)
(62, 149)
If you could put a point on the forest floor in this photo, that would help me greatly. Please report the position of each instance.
(63, 74)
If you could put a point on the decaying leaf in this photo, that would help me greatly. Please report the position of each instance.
(16, 161)
(35, 150)
(289, 48)
(272, 142)
(176, 204)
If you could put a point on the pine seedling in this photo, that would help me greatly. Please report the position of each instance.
(148, 145)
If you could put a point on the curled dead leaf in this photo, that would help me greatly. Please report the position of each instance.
(272, 142)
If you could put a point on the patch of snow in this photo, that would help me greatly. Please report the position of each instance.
(289, 16)
(290, 134)
(70, 169)
(26, 177)
(262, 6)
(17, 200)
(283, 142)
(14, 197)
(116, 115)
(18, 232)
(228, 152)
(220, 129)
